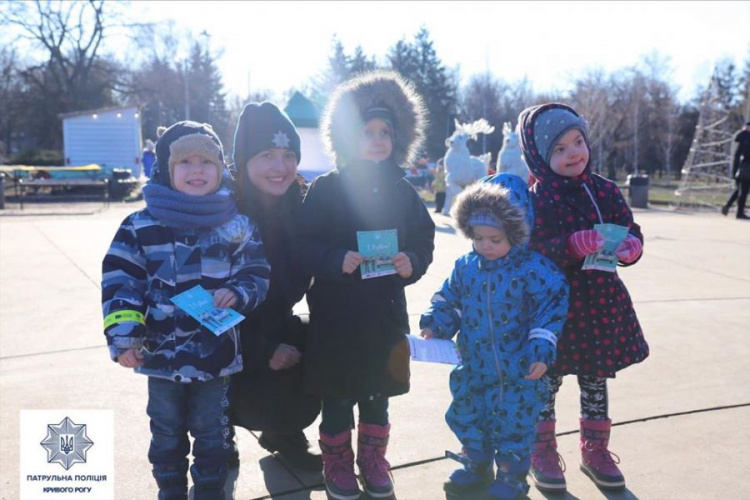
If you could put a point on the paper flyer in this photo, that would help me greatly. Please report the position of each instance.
(377, 248)
(605, 259)
(434, 350)
(199, 304)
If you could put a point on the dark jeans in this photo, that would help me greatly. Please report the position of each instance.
(199, 408)
(439, 201)
(338, 414)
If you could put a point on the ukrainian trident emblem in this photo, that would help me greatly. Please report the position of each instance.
(66, 443)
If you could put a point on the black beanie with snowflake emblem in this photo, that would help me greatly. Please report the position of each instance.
(263, 126)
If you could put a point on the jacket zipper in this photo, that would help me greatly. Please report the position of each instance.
(492, 337)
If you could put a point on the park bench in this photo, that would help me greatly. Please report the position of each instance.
(101, 185)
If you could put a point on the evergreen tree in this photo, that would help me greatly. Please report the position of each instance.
(341, 67)
(419, 63)
(360, 63)
(205, 91)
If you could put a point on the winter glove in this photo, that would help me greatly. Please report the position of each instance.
(583, 243)
(629, 250)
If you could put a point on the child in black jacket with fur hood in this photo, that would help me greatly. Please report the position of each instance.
(357, 353)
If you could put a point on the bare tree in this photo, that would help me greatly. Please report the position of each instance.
(68, 71)
(592, 98)
(11, 99)
(481, 98)
(70, 33)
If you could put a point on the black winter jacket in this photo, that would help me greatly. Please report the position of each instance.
(357, 348)
(265, 399)
(742, 153)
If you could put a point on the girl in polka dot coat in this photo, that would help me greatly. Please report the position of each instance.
(602, 334)
(507, 304)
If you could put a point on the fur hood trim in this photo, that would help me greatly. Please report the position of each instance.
(493, 200)
(342, 123)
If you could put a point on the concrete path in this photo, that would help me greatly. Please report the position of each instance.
(682, 417)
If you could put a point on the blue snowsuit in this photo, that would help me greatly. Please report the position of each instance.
(510, 312)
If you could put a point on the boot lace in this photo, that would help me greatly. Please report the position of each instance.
(339, 470)
(550, 460)
(376, 466)
(601, 454)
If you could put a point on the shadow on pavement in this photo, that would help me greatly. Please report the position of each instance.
(276, 477)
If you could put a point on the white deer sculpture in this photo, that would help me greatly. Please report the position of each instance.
(510, 159)
(461, 169)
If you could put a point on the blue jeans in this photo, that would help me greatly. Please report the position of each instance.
(200, 408)
(338, 414)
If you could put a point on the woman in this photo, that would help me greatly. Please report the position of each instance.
(268, 394)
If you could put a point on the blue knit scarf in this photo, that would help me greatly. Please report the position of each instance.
(175, 209)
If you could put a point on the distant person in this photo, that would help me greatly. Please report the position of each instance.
(507, 304)
(268, 395)
(357, 353)
(149, 157)
(740, 173)
(189, 234)
(602, 334)
(439, 186)
(423, 170)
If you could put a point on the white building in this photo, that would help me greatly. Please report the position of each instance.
(108, 137)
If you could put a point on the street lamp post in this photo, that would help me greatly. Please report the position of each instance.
(187, 92)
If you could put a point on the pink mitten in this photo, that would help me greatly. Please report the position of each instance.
(629, 250)
(583, 243)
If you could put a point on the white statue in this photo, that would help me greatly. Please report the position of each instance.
(461, 169)
(510, 159)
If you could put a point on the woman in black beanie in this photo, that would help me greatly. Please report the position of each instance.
(268, 395)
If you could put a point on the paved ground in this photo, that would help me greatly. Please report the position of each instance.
(683, 416)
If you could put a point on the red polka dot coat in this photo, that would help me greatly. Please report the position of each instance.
(602, 334)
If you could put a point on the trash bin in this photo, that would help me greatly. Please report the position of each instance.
(638, 191)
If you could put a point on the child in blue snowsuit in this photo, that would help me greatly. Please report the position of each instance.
(189, 234)
(509, 305)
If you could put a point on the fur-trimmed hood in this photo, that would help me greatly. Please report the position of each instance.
(342, 119)
(493, 200)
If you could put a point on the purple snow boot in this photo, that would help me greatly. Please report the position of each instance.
(338, 466)
(597, 461)
(547, 466)
(374, 469)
